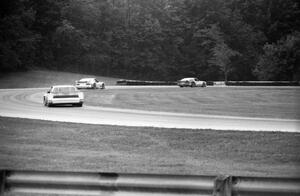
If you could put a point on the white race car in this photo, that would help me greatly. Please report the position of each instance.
(191, 82)
(89, 83)
(63, 94)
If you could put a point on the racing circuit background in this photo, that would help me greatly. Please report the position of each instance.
(206, 88)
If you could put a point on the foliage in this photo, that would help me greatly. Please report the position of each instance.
(150, 39)
(17, 41)
(281, 60)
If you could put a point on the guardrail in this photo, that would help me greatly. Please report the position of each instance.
(142, 82)
(82, 183)
(262, 83)
(213, 83)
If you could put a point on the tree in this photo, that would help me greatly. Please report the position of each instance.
(280, 60)
(153, 39)
(18, 41)
(221, 53)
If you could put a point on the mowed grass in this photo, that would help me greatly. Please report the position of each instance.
(55, 146)
(269, 102)
(45, 78)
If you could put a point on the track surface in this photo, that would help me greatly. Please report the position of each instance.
(27, 103)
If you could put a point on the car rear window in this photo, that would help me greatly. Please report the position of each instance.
(64, 90)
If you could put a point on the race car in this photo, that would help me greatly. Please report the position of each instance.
(191, 82)
(63, 94)
(89, 83)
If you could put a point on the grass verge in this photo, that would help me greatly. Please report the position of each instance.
(45, 78)
(266, 102)
(54, 146)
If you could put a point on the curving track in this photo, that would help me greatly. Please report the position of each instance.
(27, 103)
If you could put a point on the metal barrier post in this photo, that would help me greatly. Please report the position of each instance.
(2, 181)
(223, 186)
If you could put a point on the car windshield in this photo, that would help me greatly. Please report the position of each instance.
(64, 90)
(85, 80)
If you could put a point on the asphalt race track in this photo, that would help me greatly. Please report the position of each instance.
(27, 103)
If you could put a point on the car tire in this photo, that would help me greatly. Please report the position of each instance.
(193, 84)
(48, 104)
(44, 102)
(103, 86)
(79, 104)
(94, 86)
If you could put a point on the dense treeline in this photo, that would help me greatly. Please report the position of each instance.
(154, 39)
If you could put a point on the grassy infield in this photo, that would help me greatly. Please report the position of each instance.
(36, 79)
(242, 101)
(42, 145)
